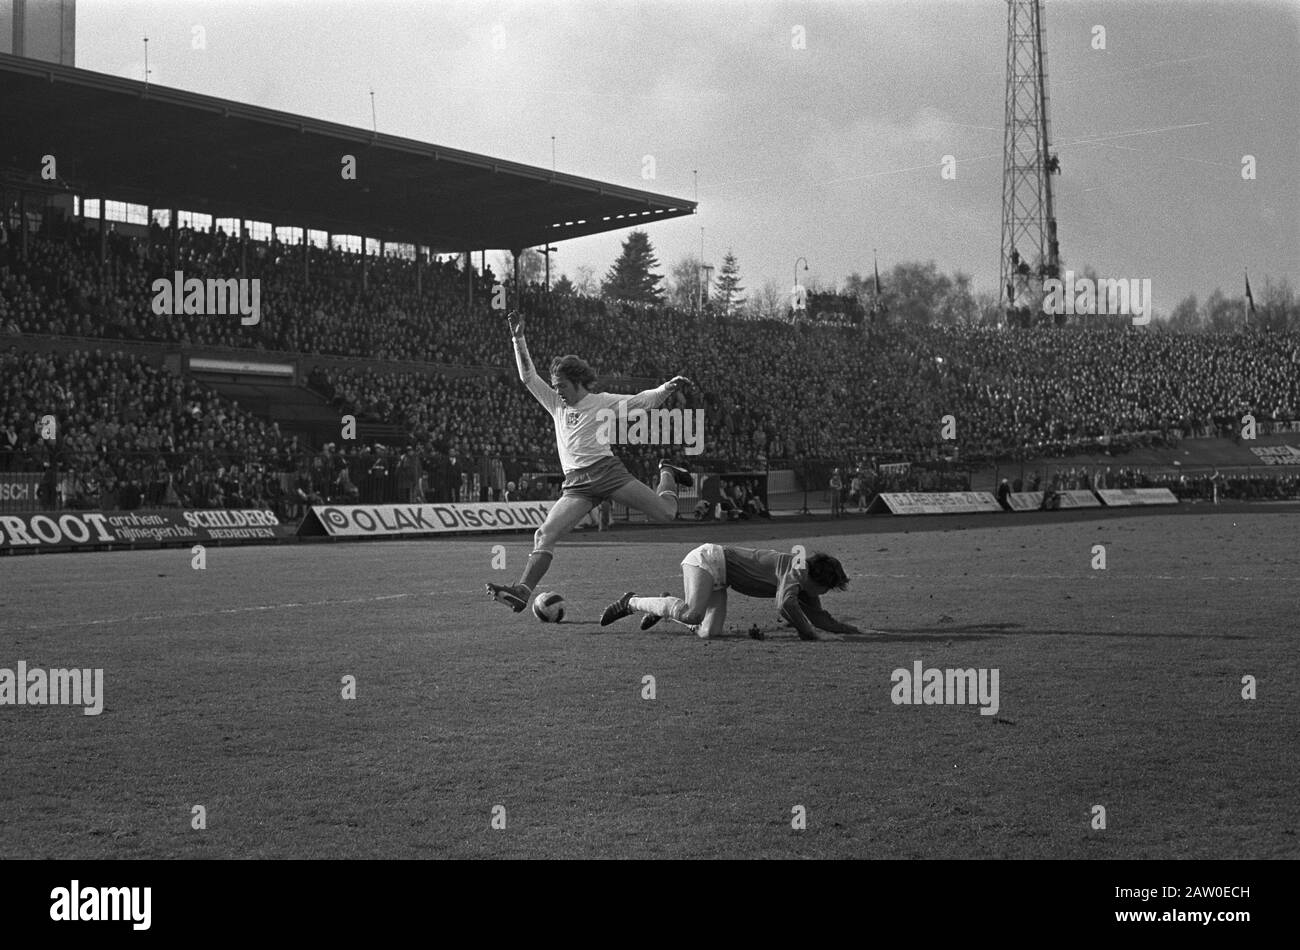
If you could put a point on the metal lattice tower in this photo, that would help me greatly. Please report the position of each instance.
(1030, 251)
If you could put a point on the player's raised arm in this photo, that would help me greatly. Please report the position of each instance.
(523, 361)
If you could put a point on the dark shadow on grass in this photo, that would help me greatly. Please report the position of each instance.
(902, 636)
(949, 633)
(978, 631)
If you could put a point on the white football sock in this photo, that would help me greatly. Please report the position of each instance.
(659, 606)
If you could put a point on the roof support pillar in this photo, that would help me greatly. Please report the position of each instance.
(306, 255)
(469, 280)
(172, 226)
(516, 253)
(103, 231)
(22, 220)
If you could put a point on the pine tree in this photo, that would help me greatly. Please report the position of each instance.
(730, 293)
(632, 277)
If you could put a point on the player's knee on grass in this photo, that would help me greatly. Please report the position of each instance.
(688, 615)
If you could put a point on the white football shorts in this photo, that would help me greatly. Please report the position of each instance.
(710, 558)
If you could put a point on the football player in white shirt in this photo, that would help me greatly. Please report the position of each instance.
(591, 471)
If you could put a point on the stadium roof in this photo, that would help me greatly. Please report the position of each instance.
(148, 144)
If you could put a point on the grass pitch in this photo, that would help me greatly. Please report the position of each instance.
(1119, 687)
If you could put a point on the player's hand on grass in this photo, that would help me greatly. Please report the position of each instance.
(516, 321)
(858, 631)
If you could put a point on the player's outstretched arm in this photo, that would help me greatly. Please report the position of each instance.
(542, 392)
(676, 383)
(654, 397)
(834, 626)
(820, 618)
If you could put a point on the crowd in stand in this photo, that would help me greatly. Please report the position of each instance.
(856, 484)
(62, 288)
(475, 416)
(1278, 485)
(811, 397)
(1201, 486)
(1048, 392)
(109, 430)
(738, 499)
(1242, 486)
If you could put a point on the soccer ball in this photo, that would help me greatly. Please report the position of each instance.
(549, 607)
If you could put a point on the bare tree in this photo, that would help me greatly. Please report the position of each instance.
(684, 283)
(1221, 313)
(1186, 317)
(584, 280)
(770, 302)
(532, 265)
(1277, 305)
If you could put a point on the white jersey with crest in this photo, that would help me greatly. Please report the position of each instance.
(578, 428)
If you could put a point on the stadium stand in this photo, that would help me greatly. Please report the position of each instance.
(813, 397)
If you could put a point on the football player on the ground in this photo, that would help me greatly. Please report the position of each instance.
(591, 471)
(707, 572)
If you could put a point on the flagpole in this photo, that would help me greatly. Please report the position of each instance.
(1250, 298)
(875, 303)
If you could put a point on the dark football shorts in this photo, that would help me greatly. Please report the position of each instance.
(597, 482)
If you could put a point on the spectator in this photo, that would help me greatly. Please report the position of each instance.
(1004, 494)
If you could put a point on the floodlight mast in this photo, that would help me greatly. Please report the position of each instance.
(1030, 250)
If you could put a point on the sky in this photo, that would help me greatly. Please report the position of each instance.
(810, 129)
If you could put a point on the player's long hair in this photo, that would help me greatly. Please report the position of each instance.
(827, 571)
(575, 369)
